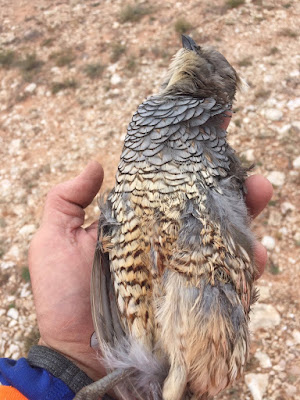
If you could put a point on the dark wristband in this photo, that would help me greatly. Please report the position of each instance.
(60, 367)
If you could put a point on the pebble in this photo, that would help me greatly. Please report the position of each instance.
(264, 292)
(257, 384)
(264, 359)
(273, 114)
(296, 336)
(15, 146)
(249, 155)
(290, 390)
(27, 229)
(30, 88)
(277, 178)
(268, 242)
(13, 348)
(263, 316)
(7, 265)
(13, 313)
(13, 252)
(296, 162)
(296, 125)
(286, 207)
(295, 103)
(115, 79)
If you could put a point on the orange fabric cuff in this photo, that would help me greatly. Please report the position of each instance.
(10, 393)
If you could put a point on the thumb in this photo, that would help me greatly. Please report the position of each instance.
(66, 201)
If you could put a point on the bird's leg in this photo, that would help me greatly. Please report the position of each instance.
(101, 387)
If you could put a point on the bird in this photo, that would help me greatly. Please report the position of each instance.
(173, 276)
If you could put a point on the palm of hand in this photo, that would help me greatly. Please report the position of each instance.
(60, 260)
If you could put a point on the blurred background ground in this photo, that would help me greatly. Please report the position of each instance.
(73, 72)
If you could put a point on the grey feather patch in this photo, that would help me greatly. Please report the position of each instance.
(148, 371)
(230, 210)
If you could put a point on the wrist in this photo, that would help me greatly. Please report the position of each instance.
(84, 359)
(59, 366)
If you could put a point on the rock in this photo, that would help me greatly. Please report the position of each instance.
(30, 88)
(249, 155)
(281, 366)
(286, 207)
(27, 230)
(115, 79)
(264, 292)
(13, 313)
(296, 336)
(295, 103)
(277, 178)
(264, 359)
(296, 162)
(297, 236)
(7, 265)
(268, 242)
(273, 114)
(263, 316)
(257, 384)
(13, 252)
(296, 125)
(13, 348)
(14, 146)
(290, 390)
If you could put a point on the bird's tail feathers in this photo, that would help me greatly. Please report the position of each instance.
(148, 371)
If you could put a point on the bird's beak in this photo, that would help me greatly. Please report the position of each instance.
(188, 43)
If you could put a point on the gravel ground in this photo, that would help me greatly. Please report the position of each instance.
(73, 72)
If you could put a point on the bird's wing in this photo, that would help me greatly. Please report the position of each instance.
(105, 315)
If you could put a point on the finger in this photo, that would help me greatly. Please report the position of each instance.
(66, 201)
(261, 256)
(259, 193)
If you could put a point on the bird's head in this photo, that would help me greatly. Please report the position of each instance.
(201, 72)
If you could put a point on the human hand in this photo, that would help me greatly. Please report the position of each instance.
(61, 257)
(60, 262)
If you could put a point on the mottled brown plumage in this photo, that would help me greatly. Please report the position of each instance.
(173, 275)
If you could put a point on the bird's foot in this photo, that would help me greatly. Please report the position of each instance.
(99, 388)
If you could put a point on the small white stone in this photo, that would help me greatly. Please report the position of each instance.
(296, 162)
(264, 316)
(268, 242)
(283, 129)
(27, 229)
(295, 103)
(290, 390)
(30, 88)
(14, 146)
(249, 155)
(286, 206)
(115, 79)
(277, 178)
(257, 384)
(273, 114)
(13, 313)
(264, 359)
(13, 252)
(296, 336)
(115, 25)
(12, 323)
(283, 230)
(264, 293)
(296, 125)
(7, 264)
